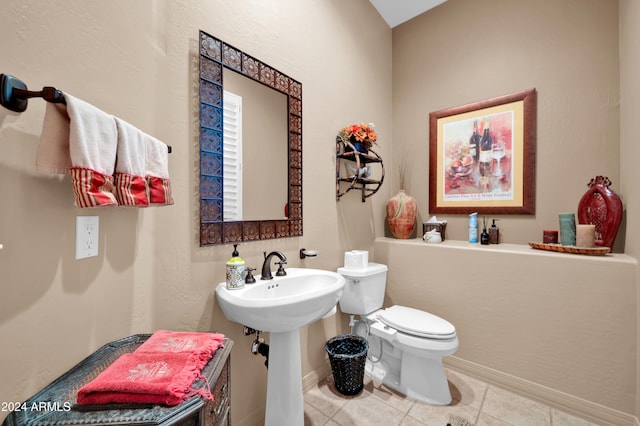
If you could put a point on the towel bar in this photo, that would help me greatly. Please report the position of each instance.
(14, 95)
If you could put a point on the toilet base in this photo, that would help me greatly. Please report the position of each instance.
(417, 379)
(425, 380)
(418, 374)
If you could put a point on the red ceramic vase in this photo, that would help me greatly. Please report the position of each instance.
(601, 207)
(401, 214)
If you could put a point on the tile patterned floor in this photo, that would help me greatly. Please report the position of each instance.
(473, 400)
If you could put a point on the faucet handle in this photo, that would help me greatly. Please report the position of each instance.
(249, 278)
(281, 272)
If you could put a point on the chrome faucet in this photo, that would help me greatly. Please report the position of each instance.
(266, 266)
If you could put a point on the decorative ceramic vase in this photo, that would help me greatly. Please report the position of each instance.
(601, 207)
(401, 214)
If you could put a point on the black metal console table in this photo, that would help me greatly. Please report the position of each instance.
(56, 405)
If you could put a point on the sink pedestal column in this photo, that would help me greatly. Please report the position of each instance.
(285, 401)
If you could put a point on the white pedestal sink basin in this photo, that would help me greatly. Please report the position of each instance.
(282, 306)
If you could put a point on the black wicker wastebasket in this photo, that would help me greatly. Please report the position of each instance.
(347, 354)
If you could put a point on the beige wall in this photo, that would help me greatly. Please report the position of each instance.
(563, 324)
(465, 51)
(582, 57)
(629, 129)
(138, 60)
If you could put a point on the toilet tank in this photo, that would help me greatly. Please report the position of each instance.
(364, 289)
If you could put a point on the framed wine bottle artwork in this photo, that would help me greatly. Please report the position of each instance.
(482, 156)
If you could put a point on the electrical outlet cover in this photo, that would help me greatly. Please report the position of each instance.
(87, 232)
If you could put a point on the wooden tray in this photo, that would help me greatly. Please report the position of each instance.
(591, 251)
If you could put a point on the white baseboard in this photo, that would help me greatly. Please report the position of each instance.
(576, 406)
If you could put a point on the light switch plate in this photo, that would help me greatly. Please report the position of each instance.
(87, 232)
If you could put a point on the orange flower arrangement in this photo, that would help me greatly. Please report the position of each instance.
(359, 132)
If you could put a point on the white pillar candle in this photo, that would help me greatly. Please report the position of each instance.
(585, 235)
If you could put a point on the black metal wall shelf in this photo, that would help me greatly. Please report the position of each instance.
(357, 178)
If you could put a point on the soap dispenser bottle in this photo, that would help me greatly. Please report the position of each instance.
(235, 270)
(494, 233)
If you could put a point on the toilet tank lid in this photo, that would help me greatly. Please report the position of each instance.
(370, 269)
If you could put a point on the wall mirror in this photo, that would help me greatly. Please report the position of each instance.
(250, 147)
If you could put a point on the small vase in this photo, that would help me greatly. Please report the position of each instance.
(401, 214)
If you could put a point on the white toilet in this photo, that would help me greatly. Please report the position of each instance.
(406, 345)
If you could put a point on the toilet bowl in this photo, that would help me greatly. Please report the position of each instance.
(406, 345)
(407, 356)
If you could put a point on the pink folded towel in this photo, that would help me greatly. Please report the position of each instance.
(80, 140)
(161, 371)
(144, 378)
(162, 341)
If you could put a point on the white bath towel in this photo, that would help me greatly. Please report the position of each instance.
(92, 142)
(130, 183)
(157, 172)
(53, 149)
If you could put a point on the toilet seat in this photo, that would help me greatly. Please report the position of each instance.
(417, 323)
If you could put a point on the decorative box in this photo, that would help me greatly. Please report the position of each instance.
(430, 226)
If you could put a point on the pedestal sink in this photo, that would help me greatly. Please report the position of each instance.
(282, 306)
